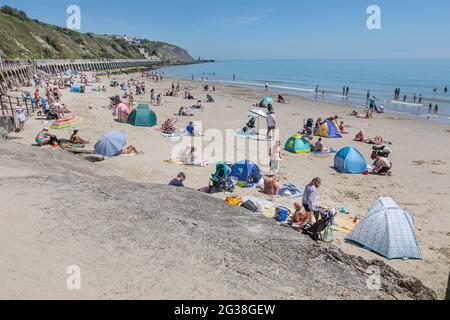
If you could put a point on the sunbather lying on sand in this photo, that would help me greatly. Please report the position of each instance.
(183, 113)
(378, 140)
(76, 139)
(130, 150)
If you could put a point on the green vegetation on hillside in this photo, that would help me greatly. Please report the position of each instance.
(22, 37)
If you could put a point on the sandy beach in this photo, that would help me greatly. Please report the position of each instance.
(421, 158)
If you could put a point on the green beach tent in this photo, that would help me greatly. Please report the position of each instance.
(142, 116)
(297, 144)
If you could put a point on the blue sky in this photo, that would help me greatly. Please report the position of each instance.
(267, 29)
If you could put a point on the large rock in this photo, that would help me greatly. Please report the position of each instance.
(153, 241)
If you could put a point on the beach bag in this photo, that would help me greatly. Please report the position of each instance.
(281, 213)
(233, 201)
(250, 205)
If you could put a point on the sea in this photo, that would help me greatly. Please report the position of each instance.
(301, 77)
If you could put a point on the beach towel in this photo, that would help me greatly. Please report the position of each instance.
(344, 224)
(248, 135)
(178, 162)
(261, 204)
(294, 190)
(326, 151)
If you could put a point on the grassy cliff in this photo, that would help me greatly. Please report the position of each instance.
(22, 37)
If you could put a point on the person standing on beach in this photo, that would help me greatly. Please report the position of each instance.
(430, 108)
(368, 98)
(415, 98)
(420, 99)
(234, 78)
(343, 91)
(347, 91)
(266, 85)
(436, 109)
(405, 97)
(271, 123)
(445, 89)
(309, 200)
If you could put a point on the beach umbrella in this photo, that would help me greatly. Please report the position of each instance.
(111, 144)
(267, 99)
(266, 102)
(258, 113)
(67, 122)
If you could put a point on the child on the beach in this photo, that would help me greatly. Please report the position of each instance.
(178, 181)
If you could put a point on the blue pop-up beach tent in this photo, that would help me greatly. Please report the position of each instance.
(247, 173)
(350, 160)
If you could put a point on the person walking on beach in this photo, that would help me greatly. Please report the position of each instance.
(271, 123)
(420, 99)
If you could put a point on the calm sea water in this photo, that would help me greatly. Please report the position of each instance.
(300, 77)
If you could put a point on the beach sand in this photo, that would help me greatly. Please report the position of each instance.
(420, 157)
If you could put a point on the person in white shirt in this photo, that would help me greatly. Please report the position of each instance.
(275, 157)
(271, 123)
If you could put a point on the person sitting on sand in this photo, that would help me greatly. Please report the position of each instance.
(272, 184)
(354, 113)
(44, 137)
(311, 144)
(382, 166)
(76, 139)
(319, 123)
(360, 137)
(281, 99)
(369, 114)
(178, 181)
(342, 127)
(190, 129)
(198, 105)
(182, 113)
(378, 140)
(300, 216)
(319, 147)
(130, 150)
